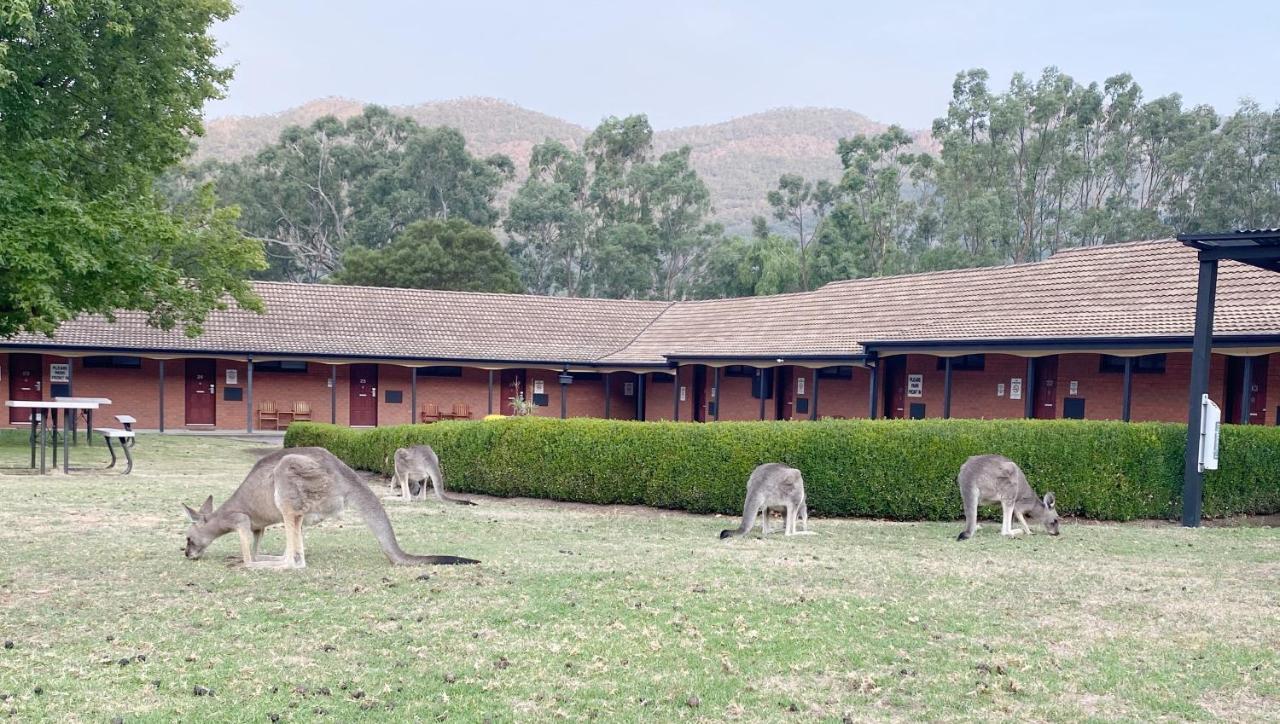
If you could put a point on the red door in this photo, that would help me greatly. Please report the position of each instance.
(201, 391)
(1046, 402)
(364, 395)
(24, 383)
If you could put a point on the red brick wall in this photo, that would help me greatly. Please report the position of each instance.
(1273, 389)
(845, 398)
(471, 388)
(974, 393)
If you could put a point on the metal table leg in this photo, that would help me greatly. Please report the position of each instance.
(44, 433)
(111, 450)
(88, 427)
(34, 417)
(67, 419)
(54, 438)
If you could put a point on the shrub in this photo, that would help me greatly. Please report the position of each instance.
(898, 469)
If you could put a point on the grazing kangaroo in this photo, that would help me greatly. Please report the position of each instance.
(295, 486)
(773, 485)
(995, 478)
(415, 465)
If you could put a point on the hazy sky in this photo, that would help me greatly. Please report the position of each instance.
(694, 62)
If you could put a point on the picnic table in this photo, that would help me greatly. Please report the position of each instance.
(41, 409)
(88, 416)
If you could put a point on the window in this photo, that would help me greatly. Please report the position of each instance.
(965, 363)
(112, 362)
(1146, 364)
(762, 385)
(439, 371)
(658, 378)
(739, 371)
(844, 372)
(587, 376)
(291, 366)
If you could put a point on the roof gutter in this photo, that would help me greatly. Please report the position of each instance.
(1083, 344)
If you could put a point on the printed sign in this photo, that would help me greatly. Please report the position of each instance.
(60, 372)
(539, 388)
(799, 385)
(682, 393)
(233, 376)
(1074, 387)
(915, 385)
(1015, 388)
(629, 389)
(1000, 390)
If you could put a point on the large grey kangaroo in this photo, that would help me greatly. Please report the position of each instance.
(995, 478)
(773, 485)
(415, 465)
(295, 486)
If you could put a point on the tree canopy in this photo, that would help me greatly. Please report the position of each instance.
(432, 254)
(98, 97)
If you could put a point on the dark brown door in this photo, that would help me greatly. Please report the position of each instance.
(1046, 402)
(786, 393)
(24, 383)
(364, 395)
(700, 393)
(1235, 391)
(1258, 393)
(895, 387)
(202, 391)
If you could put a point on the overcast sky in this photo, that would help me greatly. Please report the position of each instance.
(692, 62)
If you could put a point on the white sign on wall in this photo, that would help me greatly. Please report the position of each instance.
(1015, 388)
(539, 388)
(799, 385)
(1074, 387)
(60, 372)
(1000, 390)
(915, 385)
(233, 376)
(682, 393)
(629, 389)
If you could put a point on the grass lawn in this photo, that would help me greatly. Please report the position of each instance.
(614, 614)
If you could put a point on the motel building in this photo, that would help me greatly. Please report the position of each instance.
(1100, 333)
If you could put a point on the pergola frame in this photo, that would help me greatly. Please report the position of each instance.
(1258, 247)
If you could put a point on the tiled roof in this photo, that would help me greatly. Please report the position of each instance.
(1134, 290)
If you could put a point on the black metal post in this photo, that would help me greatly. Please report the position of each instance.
(715, 394)
(875, 387)
(34, 418)
(608, 397)
(161, 395)
(67, 416)
(760, 385)
(1028, 390)
(44, 436)
(248, 407)
(413, 395)
(490, 392)
(946, 390)
(1126, 406)
(813, 397)
(675, 394)
(1246, 391)
(1201, 357)
(640, 411)
(333, 394)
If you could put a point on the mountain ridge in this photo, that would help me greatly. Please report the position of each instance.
(740, 159)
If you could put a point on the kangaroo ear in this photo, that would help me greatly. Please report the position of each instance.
(1049, 500)
(207, 507)
(192, 515)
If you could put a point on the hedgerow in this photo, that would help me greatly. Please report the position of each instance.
(895, 469)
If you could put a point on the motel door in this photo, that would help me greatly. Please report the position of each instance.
(24, 383)
(700, 393)
(1046, 402)
(1235, 389)
(895, 387)
(784, 392)
(202, 391)
(364, 395)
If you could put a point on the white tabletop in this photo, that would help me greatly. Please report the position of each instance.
(99, 400)
(43, 405)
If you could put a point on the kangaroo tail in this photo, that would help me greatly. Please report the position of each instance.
(749, 511)
(437, 482)
(375, 516)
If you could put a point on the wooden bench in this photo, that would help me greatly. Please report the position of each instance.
(125, 438)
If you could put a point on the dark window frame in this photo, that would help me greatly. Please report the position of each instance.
(1147, 364)
(111, 362)
(965, 363)
(281, 367)
(740, 371)
(446, 371)
(840, 372)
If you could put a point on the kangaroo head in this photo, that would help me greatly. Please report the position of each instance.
(1046, 514)
(199, 533)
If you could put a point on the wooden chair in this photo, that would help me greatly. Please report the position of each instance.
(430, 412)
(267, 413)
(302, 411)
(461, 411)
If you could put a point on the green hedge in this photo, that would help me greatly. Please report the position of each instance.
(899, 469)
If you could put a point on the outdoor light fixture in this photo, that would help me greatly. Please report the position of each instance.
(566, 378)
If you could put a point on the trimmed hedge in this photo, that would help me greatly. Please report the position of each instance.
(897, 469)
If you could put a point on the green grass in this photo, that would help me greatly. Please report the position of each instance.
(617, 614)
